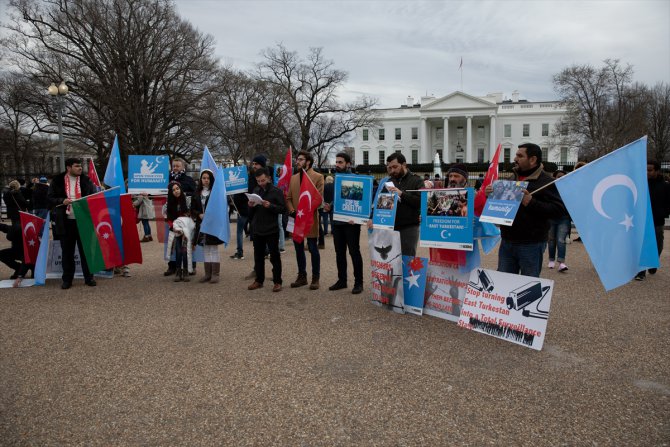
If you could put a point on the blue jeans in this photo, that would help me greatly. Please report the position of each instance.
(181, 256)
(241, 223)
(523, 259)
(558, 231)
(282, 235)
(146, 226)
(325, 217)
(302, 259)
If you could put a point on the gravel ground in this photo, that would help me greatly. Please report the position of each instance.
(146, 361)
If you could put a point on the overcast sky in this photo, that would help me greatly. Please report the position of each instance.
(395, 48)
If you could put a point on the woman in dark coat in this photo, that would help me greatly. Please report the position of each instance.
(209, 243)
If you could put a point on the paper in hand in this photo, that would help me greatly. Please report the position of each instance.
(254, 199)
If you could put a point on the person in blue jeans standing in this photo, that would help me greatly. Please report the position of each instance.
(241, 204)
(558, 232)
(523, 243)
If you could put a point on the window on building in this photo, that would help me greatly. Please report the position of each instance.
(507, 129)
(439, 133)
(526, 130)
(366, 158)
(545, 129)
(415, 133)
(545, 154)
(480, 155)
(564, 155)
(480, 133)
(382, 157)
(459, 133)
(365, 134)
(398, 133)
(506, 154)
(415, 157)
(564, 129)
(381, 135)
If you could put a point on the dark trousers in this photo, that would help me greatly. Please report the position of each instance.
(302, 259)
(348, 237)
(270, 241)
(8, 257)
(67, 245)
(181, 255)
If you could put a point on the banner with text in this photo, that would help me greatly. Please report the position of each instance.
(447, 218)
(383, 216)
(386, 269)
(502, 205)
(148, 174)
(353, 198)
(510, 307)
(237, 179)
(445, 290)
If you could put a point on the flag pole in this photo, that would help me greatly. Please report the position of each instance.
(91, 195)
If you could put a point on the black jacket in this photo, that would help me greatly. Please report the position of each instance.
(241, 203)
(198, 206)
(264, 220)
(531, 223)
(185, 181)
(57, 195)
(41, 196)
(659, 195)
(409, 205)
(15, 202)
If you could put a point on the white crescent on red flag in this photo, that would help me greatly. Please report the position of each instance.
(308, 203)
(31, 228)
(93, 174)
(287, 171)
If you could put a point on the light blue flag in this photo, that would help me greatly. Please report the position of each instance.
(216, 222)
(208, 162)
(40, 272)
(608, 200)
(114, 172)
(113, 199)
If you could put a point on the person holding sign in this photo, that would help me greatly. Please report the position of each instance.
(304, 161)
(523, 243)
(458, 176)
(346, 235)
(408, 215)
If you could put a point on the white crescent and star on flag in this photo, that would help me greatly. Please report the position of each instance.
(604, 185)
(105, 235)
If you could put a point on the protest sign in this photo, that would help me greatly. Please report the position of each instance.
(353, 198)
(55, 263)
(504, 202)
(445, 290)
(510, 307)
(236, 179)
(386, 269)
(383, 217)
(414, 270)
(148, 174)
(446, 218)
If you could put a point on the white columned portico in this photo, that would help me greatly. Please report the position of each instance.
(468, 140)
(445, 151)
(425, 155)
(492, 138)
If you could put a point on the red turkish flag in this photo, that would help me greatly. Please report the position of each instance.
(491, 176)
(132, 251)
(308, 204)
(31, 227)
(93, 174)
(287, 171)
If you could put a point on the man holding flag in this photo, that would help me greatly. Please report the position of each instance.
(64, 189)
(522, 247)
(300, 203)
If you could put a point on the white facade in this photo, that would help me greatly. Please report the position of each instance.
(463, 128)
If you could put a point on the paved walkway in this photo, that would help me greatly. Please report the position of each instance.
(145, 361)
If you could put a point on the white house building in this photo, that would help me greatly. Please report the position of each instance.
(463, 128)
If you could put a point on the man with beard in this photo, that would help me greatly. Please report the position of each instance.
(346, 235)
(64, 189)
(457, 176)
(523, 243)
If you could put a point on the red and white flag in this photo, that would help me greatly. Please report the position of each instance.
(308, 203)
(31, 227)
(491, 176)
(93, 174)
(284, 179)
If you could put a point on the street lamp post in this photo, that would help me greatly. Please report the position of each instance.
(57, 93)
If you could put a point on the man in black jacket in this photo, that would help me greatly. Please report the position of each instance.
(659, 196)
(523, 244)
(265, 228)
(64, 189)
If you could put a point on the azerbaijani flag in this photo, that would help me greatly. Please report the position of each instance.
(98, 238)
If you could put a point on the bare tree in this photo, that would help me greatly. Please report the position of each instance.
(134, 68)
(658, 120)
(604, 110)
(312, 117)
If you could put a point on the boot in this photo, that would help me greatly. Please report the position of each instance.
(208, 272)
(216, 268)
(300, 281)
(179, 275)
(184, 275)
(315, 282)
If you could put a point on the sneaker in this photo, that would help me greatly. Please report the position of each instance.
(652, 271)
(237, 256)
(562, 268)
(358, 288)
(640, 277)
(126, 272)
(551, 264)
(282, 250)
